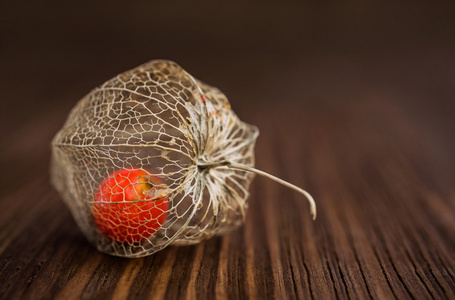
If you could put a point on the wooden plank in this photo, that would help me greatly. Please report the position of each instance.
(382, 231)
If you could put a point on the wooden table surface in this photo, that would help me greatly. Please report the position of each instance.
(355, 103)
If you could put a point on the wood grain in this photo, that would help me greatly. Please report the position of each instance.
(361, 115)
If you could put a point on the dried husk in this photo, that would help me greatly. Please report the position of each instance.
(160, 119)
(157, 117)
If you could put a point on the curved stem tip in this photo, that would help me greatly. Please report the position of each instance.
(241, 167)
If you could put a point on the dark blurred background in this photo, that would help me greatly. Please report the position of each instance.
(284, 57)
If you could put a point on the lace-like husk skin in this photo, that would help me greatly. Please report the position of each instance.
(158, 118)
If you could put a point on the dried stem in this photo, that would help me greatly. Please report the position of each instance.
(241, 167)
